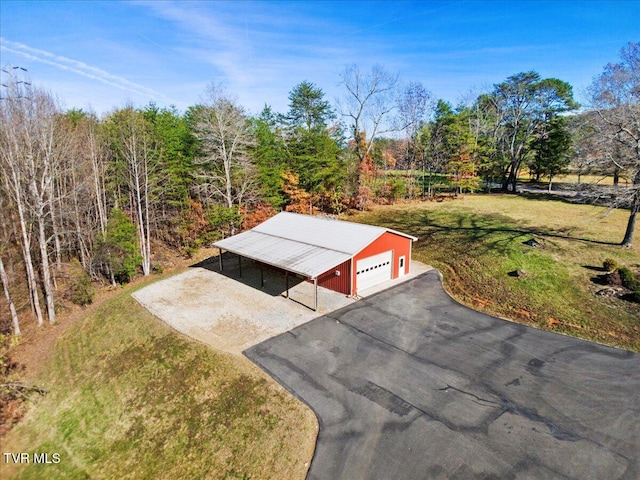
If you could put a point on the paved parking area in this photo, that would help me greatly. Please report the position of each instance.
(408, 384)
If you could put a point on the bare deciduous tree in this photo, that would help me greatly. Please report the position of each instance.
(134, 145)
(369, 100)
(415, 104)
(615, 96)
(225, 137)
(83, 204)
(29, 162)
(12, 308)
(5, 233)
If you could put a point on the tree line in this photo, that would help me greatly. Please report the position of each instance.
(86, 198)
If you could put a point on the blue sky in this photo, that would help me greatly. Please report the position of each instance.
(105, 54)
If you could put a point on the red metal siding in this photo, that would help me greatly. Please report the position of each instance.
(339, 283)
(385, 242)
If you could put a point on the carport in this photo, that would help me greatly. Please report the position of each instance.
(334, 254)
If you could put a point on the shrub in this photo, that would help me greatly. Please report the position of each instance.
(79, 289)
(157, 268)
(118, 248)
(363, 200)
(629, 280)
(192, 224)
(399, 189)
(223, 220)
(610, 264)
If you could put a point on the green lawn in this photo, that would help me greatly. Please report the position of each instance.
(478, 239)
(130, 398)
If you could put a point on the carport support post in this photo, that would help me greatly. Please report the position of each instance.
(286, 280)
(315, 298)
(240, 265)
(261, 276)
(220, 258)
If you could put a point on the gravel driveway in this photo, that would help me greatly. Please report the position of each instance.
(231, 313)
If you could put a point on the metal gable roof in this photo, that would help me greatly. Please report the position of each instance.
(302, 243)
(323, 232)
(294, 256)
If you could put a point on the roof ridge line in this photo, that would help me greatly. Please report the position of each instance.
(363, 225)
(298, 241)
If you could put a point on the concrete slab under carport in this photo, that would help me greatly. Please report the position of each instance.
(409, 384)
(232, 313)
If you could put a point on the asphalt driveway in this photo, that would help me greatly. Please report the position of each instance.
(408, 384)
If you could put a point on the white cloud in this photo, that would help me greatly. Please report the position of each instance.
(79, 68)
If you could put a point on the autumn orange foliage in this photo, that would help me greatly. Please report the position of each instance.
(299, 200)
(262, 212)
(194, 223)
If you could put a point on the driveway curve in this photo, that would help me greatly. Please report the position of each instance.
(409, 384)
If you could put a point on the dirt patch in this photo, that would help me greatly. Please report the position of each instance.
(37, 343)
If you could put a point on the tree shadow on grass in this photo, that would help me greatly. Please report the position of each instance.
(481, 227)
(461, 231)
(600, 280)
(631, 297)
(595, 269)
(465, 233)
(558, 196)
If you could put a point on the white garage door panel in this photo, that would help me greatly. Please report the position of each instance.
(373, 270)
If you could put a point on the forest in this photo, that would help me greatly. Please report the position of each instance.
(88, 200)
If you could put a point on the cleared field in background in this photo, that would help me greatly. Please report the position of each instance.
(441, 178)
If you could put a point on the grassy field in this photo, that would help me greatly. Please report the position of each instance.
(572, 178)
(524, 176)
(604, 180)
(477, 240)
(130, 398)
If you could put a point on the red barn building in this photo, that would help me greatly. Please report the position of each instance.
(343, 256)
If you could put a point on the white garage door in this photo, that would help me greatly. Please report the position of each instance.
(373, 270)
